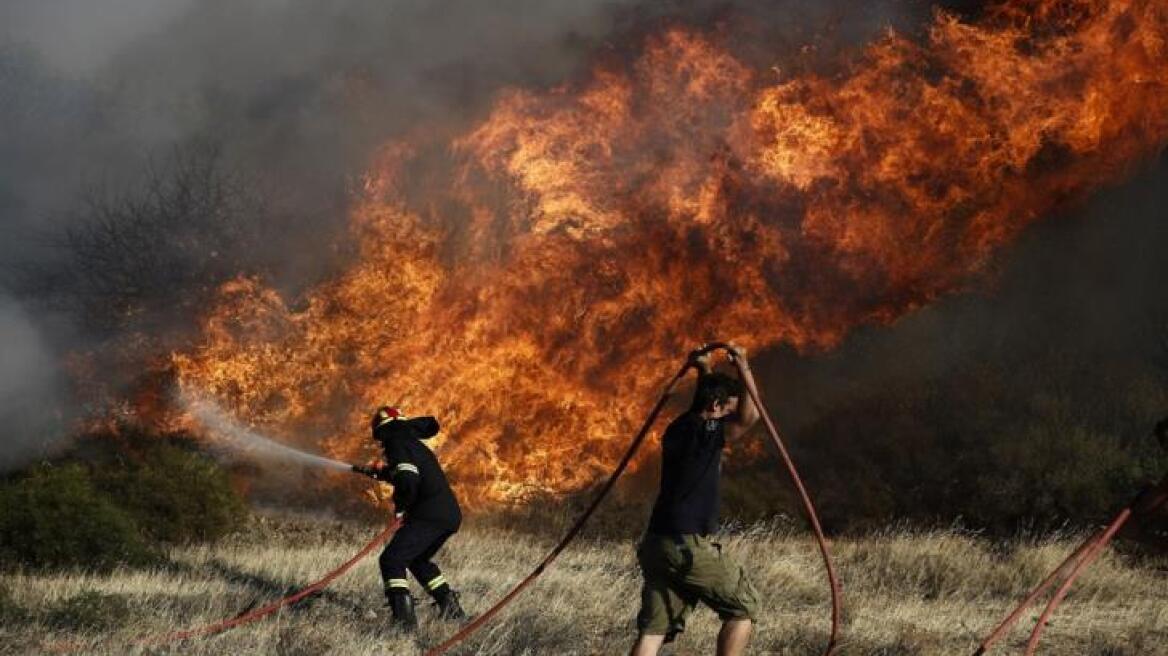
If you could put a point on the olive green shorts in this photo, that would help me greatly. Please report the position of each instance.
(683, 570)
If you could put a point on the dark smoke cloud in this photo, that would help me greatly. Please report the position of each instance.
(302, 90)
(1086, 287)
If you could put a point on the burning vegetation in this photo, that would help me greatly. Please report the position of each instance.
(530, 279)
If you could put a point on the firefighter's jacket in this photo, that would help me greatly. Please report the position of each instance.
(420, 488)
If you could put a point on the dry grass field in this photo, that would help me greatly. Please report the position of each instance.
(933, 593)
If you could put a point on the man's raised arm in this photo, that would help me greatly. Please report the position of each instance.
(747, 413)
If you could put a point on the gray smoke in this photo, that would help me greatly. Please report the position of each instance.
(78, 37)
(31, 412)
(299, 91)
(302, 91)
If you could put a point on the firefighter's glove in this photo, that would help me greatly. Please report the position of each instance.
(375, 470)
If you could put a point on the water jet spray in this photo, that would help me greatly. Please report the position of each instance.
(247, 441)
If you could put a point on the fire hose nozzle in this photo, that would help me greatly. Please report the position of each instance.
(371, 472)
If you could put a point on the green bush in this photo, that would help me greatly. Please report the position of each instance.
(114, 501)
(55, 517)
(174, 494)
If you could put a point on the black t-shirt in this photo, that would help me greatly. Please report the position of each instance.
(420, 486)
(691, 465)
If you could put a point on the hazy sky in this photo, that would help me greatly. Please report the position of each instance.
(79, 36)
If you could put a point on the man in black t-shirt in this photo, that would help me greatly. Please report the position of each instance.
(679, 563)
(422, 498)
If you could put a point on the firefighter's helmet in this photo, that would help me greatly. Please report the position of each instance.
(385, 415)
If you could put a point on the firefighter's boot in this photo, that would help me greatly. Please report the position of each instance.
(448, 606)
(402, 606)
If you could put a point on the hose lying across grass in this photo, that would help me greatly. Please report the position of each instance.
(1074, 565)
(252, 615)
(262, 612)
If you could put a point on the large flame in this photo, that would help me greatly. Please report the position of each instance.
(531, 281)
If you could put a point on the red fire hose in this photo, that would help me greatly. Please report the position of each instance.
(1013, 617)
(1088, 558)
(251, 616)
(808, 506)
(608, 485)
(1078, 561)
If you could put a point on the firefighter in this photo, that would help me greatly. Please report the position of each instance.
(680, 564)
(1148, 509)
(423, 500)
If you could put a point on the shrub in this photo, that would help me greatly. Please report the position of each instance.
(53, 517)
(113, 502)
(1032, 447)
(174, 494)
